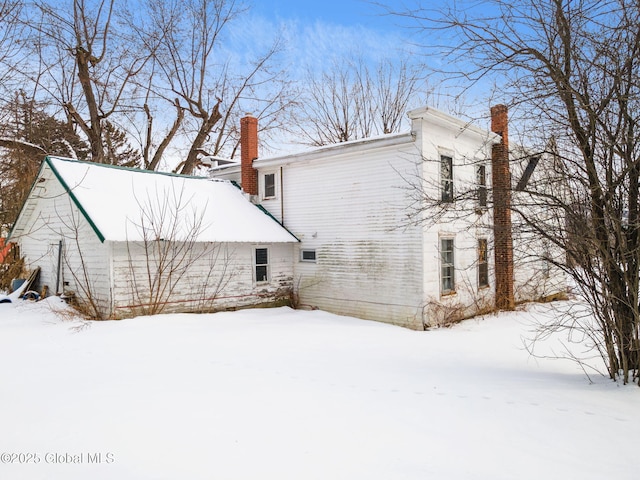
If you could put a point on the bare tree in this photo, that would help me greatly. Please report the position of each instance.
(159, 72)
(570, 71)
(11, 49)
(168, 263)
(87, 62)
(209, 87)
(354, 100)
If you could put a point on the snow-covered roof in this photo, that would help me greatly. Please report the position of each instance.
(128, 204)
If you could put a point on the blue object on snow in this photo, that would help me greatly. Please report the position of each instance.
(16, 283)
(31, 295)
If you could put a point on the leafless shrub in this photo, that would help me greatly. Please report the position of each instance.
(168, 263)
(443, 312)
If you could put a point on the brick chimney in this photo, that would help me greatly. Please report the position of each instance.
(248, 153)
(503, 241)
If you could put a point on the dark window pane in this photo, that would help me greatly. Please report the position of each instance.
(446, 178)
(483, 263)
(309, 255)
(262, 256)
(262, 262)
(482, 250)
(270, 185)
(482, 186)
(261, 273)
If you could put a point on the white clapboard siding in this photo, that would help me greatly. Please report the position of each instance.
(216, 277)
(350, 209)
(462, 220)
(536, 275)
(377, 248)
(116, 276)
(369, 209)
(85, 264)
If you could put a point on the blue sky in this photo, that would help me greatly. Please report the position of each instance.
(319, 31)
(341, 12)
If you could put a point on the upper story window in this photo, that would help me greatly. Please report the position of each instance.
(446, 178)
(269, 185)
(482, 185)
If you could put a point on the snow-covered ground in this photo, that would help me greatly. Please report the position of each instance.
(284, 394)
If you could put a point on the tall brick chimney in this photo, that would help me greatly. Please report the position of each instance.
(503, 241)
(248, 153)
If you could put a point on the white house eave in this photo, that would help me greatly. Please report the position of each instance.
(439, 118)
(227, 167)
(337, 149)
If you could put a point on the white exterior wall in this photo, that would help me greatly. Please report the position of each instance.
(352, 204)
(217, 276)
(222, 277)
(53, 217)
(462, 220)
(350, 207)
(535, 277)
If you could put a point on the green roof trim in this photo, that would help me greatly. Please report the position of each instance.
(268, 213)
(74, 198)
(103, 165)
(49, 161)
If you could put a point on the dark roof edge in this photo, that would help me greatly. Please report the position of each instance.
(268, 213)
(77, 203)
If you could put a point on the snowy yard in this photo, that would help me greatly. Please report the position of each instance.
(284, 394)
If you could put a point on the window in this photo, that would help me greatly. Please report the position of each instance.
(447, 272)
(546, 258)
(307, 255)
(262, 265)
(483, 263)
(482, 185)
(270, 185)
(446, 178)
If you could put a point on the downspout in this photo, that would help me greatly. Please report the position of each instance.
(59, 279)
(281, 197)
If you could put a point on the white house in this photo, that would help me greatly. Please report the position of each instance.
(412, 229)
(124, 241)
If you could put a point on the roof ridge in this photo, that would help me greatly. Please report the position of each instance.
(121, 167)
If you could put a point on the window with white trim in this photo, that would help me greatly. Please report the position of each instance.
(261, 265)
(446, 178)
(482, 185)
(269, 185)
(447, 269)
(307, 255)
